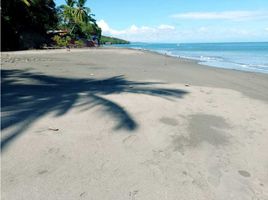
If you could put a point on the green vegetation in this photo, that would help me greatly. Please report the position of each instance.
(62, 41)
(26, 24)
(112, 40)
(78, 20)
(79, 43)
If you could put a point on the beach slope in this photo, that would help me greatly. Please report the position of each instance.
(128, 124)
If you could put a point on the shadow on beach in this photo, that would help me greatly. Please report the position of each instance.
(28, 96)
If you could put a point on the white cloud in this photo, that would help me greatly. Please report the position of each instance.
(168, 33)
(166, 27)
(107, 30)
(135, 33)
(104, 26)
(226, 15)
(203, 29)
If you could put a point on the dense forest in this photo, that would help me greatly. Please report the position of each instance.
(30, 24)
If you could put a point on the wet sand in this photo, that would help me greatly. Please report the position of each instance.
(128, 124)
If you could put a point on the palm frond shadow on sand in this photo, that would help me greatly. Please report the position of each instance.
(28, 96)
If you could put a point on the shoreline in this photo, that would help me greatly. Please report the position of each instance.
(209, 62)
(196, 61)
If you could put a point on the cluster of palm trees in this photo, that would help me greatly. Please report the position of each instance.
(25, 23)
(79, 21)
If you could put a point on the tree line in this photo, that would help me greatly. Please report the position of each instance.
(26, 23)
(112, 40)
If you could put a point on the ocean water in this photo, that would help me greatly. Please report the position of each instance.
(247, 56)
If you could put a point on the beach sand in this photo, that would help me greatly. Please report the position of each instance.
(127, 124)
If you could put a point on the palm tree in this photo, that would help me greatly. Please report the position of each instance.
(68, 11)
(75, 13)
(81, 13)
(77, 16)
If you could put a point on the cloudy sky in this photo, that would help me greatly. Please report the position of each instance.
(182, 20)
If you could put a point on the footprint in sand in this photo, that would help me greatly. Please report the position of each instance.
(169, 121)
(130, 140)
(244, 173)
(42, 172)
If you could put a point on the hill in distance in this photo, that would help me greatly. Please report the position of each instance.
(112, 40)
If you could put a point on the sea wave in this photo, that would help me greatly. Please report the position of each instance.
(240, 56)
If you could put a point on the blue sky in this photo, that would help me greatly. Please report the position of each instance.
(182, 20)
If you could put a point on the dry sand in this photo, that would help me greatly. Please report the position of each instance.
(122, 124)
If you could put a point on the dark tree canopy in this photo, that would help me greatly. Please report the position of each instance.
(24, 23)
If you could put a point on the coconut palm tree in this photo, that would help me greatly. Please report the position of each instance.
(81, 13)
(68, 11)
(74, 13)
(78, 17)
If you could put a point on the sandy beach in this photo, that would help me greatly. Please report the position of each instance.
(123, 124)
